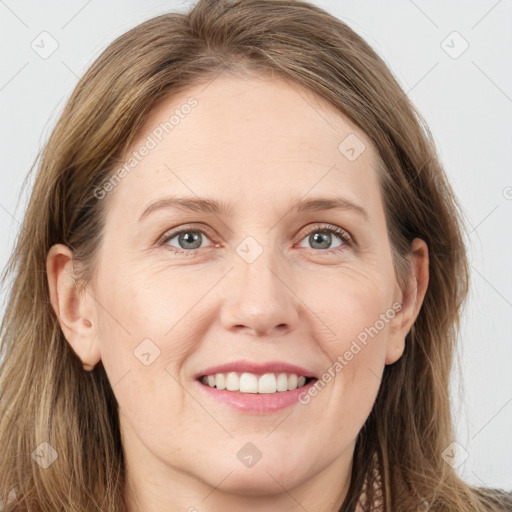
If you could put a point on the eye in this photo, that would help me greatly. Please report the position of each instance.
(188, 241)
(321, 236)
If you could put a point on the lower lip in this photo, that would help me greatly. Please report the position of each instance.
(257, 402)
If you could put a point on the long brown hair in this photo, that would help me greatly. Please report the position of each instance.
(47, 397)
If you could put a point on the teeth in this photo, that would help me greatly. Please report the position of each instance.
(220, 381)
(232, 382)
(266, 384)
(282, 382)
(252, 383)
(248, 383)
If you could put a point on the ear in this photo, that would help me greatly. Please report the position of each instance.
(73, 309)
(411, 300)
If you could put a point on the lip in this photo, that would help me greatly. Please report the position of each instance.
(257, 368)
(257, 403)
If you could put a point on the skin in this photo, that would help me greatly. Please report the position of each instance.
(261, 144)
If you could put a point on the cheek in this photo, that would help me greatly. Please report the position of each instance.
(354, 305)
(144, 303)
(149, 324)
(361, 326)
(355, 313)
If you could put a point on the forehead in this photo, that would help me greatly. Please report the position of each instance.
(243, 141)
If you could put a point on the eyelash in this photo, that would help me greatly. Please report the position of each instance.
(324, 228)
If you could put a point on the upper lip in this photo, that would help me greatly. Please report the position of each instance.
(258, 368)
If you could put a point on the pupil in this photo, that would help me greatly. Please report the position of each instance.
(324, 237)
(190, 238)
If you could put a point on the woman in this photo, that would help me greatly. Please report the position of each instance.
(254, 369)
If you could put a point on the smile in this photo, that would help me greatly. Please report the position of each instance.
(252, 383)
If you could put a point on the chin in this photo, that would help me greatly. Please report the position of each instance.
(257, 482)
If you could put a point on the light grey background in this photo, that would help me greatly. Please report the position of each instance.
(467, 102)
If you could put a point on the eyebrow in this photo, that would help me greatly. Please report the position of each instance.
(212, 206)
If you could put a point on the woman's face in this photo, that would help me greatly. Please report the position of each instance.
(258, 281)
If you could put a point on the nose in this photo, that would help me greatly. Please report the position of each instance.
(260, 298)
